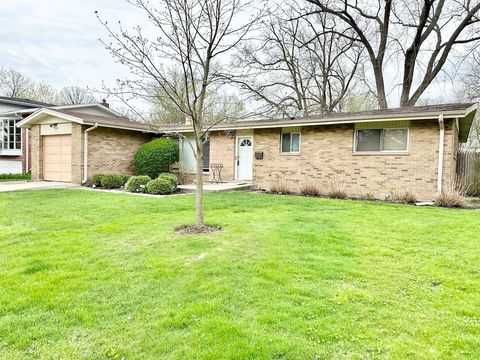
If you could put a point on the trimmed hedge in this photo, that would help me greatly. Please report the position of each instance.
(113, 181)
(156, 157)
(160, 186)
(173, 179)
(138, 183)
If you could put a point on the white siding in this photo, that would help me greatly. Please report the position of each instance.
(10, 167)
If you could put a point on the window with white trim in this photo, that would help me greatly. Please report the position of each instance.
(290, 143)
(381, 140)
(10, 135)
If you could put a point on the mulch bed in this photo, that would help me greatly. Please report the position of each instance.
(193, 229)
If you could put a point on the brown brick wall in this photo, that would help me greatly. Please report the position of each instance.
(113, 150)
(222, 150)
(326, 156)
(109, 151)
(26, 133)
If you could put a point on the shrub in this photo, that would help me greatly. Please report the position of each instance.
(280, 188)
(182, 172)
(159, 186)
(310, 189)
(406, 197)
(156, 157)
(24, 176)
(97, 179)
(138, 183)
(170, 177)
(453, 196)
(337, 189)
(113, 181)
(450, 199)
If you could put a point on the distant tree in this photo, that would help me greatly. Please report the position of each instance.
(218, 105)
(359, 102)
(42, 92)
(422, 35)
(74, 95)
(14, 83)
(298, 66)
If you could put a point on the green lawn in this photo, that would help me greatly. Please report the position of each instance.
(87, 275)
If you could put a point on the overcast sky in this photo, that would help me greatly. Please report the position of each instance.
(56, 41)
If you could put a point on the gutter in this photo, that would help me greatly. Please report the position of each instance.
(85, 152)
(441, 152)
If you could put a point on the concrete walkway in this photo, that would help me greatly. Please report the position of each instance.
(227, 186)
(34, 185)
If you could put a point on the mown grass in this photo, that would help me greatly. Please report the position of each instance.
(86, 275)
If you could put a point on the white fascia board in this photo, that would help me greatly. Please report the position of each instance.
(111, 126)
(46, 111)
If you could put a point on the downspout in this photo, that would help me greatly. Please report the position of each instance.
(27, 151)
(85, 152)
(441, 152)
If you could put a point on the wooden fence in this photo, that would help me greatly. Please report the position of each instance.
(468, 170)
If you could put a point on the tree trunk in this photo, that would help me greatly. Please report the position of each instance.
(199, 188)
(380, 86)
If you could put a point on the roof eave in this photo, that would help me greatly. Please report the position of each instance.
(30, 120)
(333, 121)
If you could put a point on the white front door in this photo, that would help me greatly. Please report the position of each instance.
(244, 158)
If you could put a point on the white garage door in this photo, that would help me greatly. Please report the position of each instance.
(57, 158)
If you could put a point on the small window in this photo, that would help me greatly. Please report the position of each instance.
(290, 143)
(381, 140)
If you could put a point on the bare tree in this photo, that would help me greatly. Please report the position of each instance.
(422, 33)
(74, 95)
(14, 83)
(42, 92)
(297, 66)
(192, 37)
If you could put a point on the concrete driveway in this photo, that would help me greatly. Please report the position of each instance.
(34, 185)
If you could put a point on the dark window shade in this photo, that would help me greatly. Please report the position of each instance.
(206, 155)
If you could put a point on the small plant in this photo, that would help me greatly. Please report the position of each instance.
(160, 186)
(97, 180)
(453, 196)
(280, 188)
(113, 181)
(368, 197)
(405, 197)
(337, 189)
(137, 184)
(182, 172)
(310, 189)
(170, 177)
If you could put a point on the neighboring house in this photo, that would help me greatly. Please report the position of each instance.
(16, 151)
(13, 139)
(374, 152)
(371, 153)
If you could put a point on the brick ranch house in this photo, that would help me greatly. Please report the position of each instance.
(373, 152)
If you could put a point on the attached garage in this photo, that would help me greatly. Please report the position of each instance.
(70, 146)
(57, 158)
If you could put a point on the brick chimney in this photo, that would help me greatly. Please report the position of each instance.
(105, 103)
